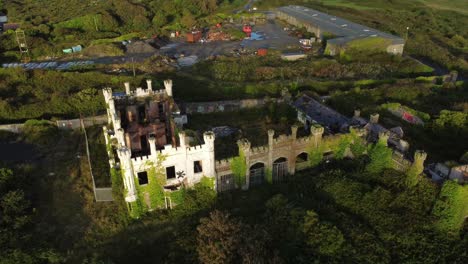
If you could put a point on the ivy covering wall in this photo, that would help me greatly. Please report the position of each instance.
(268, 175)
(239, 168)
(339, 145)
(452, 207)
(154, 189)
(380, 157)
(413, 174)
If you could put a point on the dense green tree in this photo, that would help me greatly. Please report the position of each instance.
(159, 20)
(453, 119)
(188, 20)
(324, 238)
(218, 238)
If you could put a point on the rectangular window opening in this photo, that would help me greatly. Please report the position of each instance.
(142, 178)
(161, 108)
(170, 172)
(197, 166)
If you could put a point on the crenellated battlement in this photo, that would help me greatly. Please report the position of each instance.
(259, 150)
(359, 131)
(141, 158)
(141, 92)
(223, 163)
(302, 140)
(244, 144)
(282, 138)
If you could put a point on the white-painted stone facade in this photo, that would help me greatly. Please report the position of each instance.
(183, 158)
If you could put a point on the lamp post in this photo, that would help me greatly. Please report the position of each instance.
(407, 29)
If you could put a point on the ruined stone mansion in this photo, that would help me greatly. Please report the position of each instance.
(145, 129)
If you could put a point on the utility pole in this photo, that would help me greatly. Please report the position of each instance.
(133, 67)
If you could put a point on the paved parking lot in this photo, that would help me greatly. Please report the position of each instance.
(274, 38)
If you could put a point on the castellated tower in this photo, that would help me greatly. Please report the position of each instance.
(244, 145)
(152, 143)
(271, 134)
(183, 139)
(419, 158)
(143, 133)
(294, 132)
(149, 84)
(127, 88)
(127, 174)
(383, 137)
(168, 87)
(357, 113)
(374, 118)
(209, 138)
(316, 131)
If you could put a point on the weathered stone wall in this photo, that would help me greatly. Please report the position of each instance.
(229, 105)
(14, 128)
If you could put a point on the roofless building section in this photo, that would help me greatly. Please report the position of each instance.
(343, 31)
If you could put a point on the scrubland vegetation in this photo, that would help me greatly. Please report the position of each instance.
(359, 211)
(337, 212)
(51, 26)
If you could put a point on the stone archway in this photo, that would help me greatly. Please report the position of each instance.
(280, 170)
(302, 161)
(257, 174)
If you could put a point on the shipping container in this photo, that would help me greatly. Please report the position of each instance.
(194, 36)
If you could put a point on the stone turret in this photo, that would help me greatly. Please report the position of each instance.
(416, 169)
(209, 138)
(419, 158)
(168, 87)
(374, 118)
(357, 113)
(383, 137)
(152, 143)
(149, 84)
(294, 132)
(244, 145)
(111, 104)
(271, 134)
(107, 92)
(127, 88)
(117, 124)
(120, 135)
(316, 132)
(182, 139)
(127, 172)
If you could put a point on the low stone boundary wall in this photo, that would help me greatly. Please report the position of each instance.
(14, 128)
(76, 123)
(224, 106)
